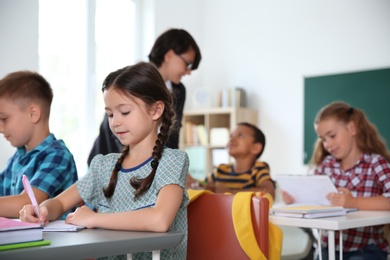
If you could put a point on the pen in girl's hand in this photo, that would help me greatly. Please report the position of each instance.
(29, 191)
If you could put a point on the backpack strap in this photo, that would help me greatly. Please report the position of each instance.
(242, 222)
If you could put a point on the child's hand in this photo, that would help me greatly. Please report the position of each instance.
(342, 198)
(82, 216)
(27, 214)
(287, 198)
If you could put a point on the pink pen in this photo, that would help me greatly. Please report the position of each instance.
(28, 189)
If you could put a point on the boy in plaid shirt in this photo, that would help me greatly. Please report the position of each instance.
(25, 100)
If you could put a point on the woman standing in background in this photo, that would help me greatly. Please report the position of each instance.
(176, 54)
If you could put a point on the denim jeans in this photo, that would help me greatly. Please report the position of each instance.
(371, 252)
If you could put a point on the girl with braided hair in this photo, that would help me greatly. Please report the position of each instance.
(176, 54)
(352, 153)
(143, 187)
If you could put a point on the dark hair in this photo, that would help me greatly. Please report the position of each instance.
(368, 139)
(27, 86)
(257, 134)
(178, 40)
(143, 81)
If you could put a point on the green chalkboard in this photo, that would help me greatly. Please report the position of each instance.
(366, 90)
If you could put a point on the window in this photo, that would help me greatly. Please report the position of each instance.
(80, 42)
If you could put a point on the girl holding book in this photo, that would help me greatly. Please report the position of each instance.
(351, 152)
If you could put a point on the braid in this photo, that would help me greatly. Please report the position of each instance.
(142, 185)
(109, 191)
(142, 81)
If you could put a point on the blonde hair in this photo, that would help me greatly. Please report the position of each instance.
(368, 139)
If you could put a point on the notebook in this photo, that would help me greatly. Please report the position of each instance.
(308, 211)
(61, 226)
(307, 189)
(14, 231)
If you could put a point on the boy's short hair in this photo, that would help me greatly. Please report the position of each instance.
(27, 86)
(258, 135)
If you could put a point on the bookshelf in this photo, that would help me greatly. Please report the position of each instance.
(196, 138)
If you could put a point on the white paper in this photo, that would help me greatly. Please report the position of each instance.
(307, 189)
(61, 226)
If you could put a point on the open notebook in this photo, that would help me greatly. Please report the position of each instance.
(60, 225)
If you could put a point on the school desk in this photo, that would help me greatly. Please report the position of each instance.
(356, 219)
(93, 243)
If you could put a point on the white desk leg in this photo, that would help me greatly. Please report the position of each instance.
(331, 245)
(319, 243)
(341, 244)
(156, 255)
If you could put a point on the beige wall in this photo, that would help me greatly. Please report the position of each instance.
(18, 47)
(268, 47)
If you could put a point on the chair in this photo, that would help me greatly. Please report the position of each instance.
(297, 243)
(211, 233)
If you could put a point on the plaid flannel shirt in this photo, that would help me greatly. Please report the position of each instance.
(50, 167)
(370, 176)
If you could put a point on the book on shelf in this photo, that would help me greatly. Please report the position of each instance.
(188, 133)
(14, 231)
(201, 133)
(224, 98)
(239, 99)
(196, 134)
(234, 97)
(308, 211)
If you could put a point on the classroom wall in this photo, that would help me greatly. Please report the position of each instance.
(163, 15)
(18, 47)
(267, 47)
